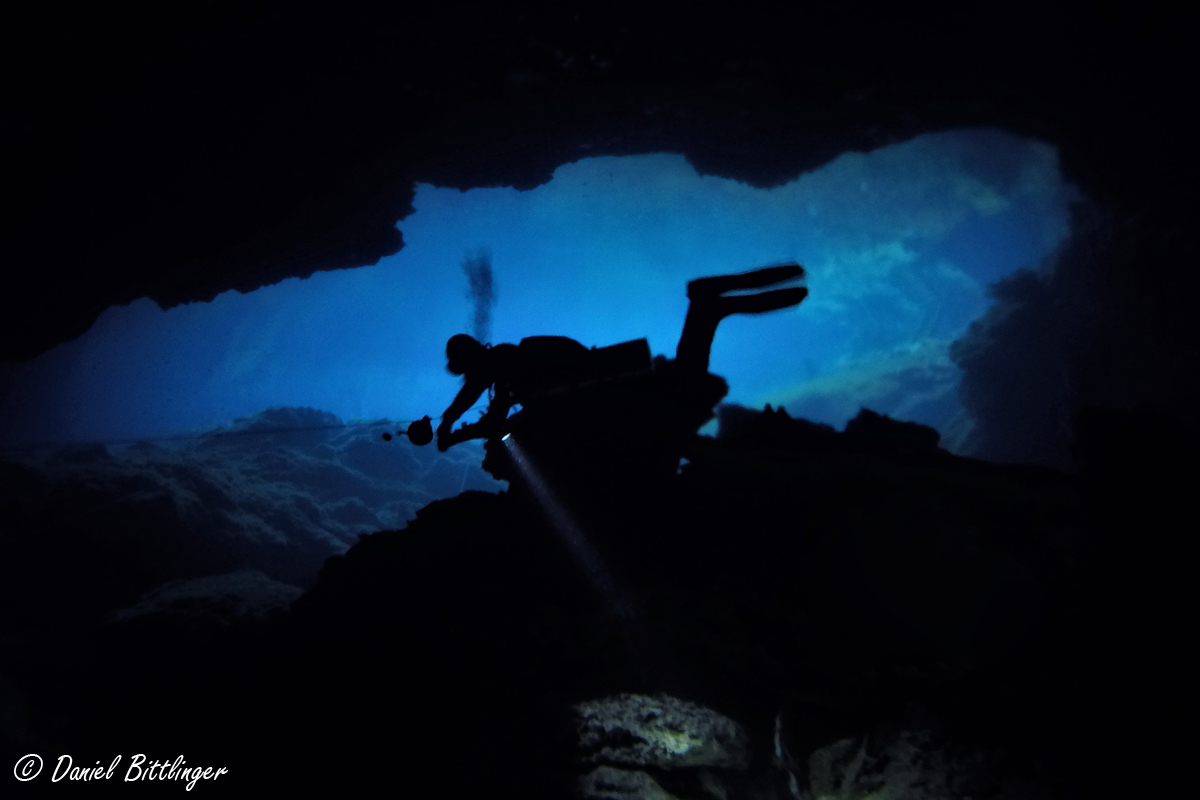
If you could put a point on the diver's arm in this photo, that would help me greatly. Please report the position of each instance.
(486, 427)
(467, 395)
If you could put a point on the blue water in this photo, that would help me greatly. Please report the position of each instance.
(900, 244)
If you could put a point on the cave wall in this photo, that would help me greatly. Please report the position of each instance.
(182, 156)
(188, 154)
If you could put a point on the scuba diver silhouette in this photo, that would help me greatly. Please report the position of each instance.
(508, 370)
(512, 371)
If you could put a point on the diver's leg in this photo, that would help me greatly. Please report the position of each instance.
(758, 303)
(705, 313)
(755, 279)
(695, 343)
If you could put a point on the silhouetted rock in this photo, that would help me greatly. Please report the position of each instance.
(611, 783)
(913, 765)
(283, 162)
(85, 454)
(771, 427)
(664, 732)
(797, 604)
(244, 597)
(861, 568)
(873, 430)
(642, 743)
(1107, 322)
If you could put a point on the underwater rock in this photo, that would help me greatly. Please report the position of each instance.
(610, 783)
(867, 432)
(833, 587)
(85, 454)
(659, 731)
(889, 434)
(745, 427)
(911, 765)
(220, 600)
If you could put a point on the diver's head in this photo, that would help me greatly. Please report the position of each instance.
(464, 354)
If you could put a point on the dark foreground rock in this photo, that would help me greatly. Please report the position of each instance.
(798, 613)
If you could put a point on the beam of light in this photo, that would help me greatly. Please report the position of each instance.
(647, 649)
(582, 550)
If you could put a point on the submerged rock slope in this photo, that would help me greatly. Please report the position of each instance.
(800, 612)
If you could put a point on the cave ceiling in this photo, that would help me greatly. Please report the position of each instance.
(180, 156)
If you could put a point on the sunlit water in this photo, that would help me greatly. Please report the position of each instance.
(900, 246)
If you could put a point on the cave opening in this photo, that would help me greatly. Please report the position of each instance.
(900, 244)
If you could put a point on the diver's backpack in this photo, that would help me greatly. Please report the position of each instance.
(557, 365)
